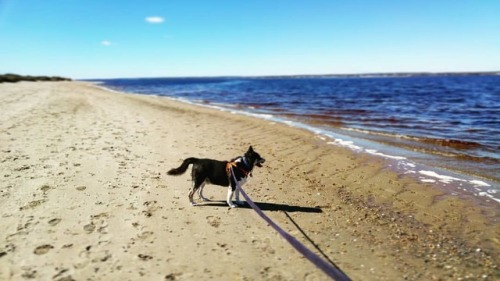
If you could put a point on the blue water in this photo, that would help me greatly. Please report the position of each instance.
(451, 121)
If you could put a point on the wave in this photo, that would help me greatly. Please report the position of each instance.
(451, 143)
(457, 144)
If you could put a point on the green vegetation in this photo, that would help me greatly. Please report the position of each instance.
(13, 78)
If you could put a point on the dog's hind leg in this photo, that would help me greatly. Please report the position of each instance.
(200, 192)
(196, 185)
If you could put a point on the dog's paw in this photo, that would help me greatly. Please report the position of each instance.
(233, 206)
(194, 204)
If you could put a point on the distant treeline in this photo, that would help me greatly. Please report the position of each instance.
(13, 78)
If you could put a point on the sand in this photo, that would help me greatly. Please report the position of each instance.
(84, 195)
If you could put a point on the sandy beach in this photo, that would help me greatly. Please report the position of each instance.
(84, 195)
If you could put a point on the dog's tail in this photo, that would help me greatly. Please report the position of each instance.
(182, 169)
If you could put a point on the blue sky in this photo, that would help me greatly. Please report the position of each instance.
(130, 38)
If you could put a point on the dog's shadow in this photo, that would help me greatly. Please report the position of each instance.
(265, 207)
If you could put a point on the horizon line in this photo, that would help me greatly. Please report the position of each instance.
(340, 75)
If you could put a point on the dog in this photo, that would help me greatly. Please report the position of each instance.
(221, 173)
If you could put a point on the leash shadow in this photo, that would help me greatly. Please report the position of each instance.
(273, 207)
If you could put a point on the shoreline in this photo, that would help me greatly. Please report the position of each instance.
(457, 182)
(469, 186)
(85, 195)
(470, 161)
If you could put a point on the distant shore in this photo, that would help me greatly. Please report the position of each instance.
(85, 195)
(394, 74)
(346, 75)
(14, 78)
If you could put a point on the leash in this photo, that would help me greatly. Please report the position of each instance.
(332, 271)
(310, 240)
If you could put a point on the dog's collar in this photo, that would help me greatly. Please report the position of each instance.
(245, 161)
(246, 172)
(247, 165)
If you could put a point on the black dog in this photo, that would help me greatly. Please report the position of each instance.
(220, 173)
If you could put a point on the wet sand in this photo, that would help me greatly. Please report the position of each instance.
(84, 195)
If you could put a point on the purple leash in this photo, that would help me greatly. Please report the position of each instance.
(333, 272)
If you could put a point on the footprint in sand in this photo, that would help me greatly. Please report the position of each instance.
(151, 208)
(32, 204)
(145, 234)
(29, 273)
(45, 188)
(145, 257)
(213, 221)
(40, 250)
(54, 222)
(89, 228)
(97, 222)
(22, 168)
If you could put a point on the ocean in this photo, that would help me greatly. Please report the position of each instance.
(443, 130)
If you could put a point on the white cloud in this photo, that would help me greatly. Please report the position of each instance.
(106, 43)
(155, 19)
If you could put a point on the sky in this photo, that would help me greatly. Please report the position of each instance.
(84, 39)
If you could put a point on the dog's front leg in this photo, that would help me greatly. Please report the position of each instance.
(237, 197)
(230, 197)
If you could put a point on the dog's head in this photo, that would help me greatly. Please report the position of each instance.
(254, 157)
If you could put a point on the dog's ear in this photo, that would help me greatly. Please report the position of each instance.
(250, 149)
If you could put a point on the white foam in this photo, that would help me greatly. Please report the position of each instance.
(486, 194)
(344, 143)
(411, 165)
(441, 178)
(375, 152)
(428, 180)
(479, 183)
(226, 108)
(258, 115)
